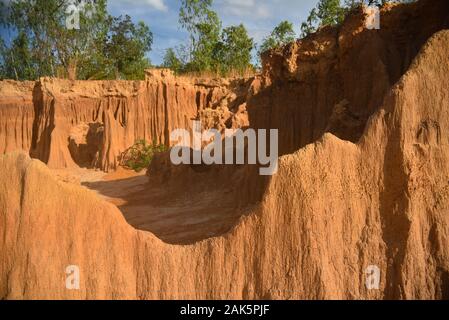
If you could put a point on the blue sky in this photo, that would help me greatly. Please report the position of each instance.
(259, 17)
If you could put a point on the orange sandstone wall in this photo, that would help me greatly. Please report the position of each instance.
(41, 118)
(16, 115)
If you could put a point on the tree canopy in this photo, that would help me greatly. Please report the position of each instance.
(126, 46)
(212, 48)
(333, 12)
(326, 13)
(79, 39)
(282, 34)
(233, 52)
(172, 61)
(48, 44)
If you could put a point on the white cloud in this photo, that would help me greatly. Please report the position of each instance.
(155, 4)
(244, 8)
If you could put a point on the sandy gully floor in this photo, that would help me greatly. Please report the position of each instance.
(174, 217)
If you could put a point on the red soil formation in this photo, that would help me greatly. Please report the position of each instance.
(363, 178)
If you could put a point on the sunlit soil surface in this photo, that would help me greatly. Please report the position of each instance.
(174, 217)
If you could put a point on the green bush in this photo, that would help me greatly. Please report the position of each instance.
(140, 155)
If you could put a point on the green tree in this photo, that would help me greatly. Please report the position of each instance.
(212, 48)
(32, 18)
(51, 42)
(353, 3)
(204, 26)
(126, 48)
(326, 13)
(203, 50)
(332, 12)
(3, 12)
(172, 61)
(193, 14)
(2, 58)
(80, 50)
(17, 61)
(233, 52)
(102, 47)
(282, 34)
(3, 61)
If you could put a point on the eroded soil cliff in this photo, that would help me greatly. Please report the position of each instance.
(363, 178)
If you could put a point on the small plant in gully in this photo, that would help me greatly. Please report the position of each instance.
(140, 155)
